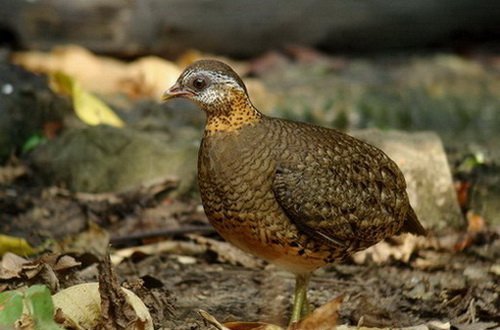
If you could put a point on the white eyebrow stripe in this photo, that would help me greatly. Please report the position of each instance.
(214, 76)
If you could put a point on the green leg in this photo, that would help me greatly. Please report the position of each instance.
(306, 307)
(300, 303)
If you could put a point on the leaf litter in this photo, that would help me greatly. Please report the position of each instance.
(404, 282)
(439, 282)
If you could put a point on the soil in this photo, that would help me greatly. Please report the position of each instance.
(456, 282)
(163, 246)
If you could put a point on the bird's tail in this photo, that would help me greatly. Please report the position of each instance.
(412, 225)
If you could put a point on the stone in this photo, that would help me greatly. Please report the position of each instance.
(107, 159)
(422, 159)
(27, 107)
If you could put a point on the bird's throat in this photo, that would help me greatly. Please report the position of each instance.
(240, 115)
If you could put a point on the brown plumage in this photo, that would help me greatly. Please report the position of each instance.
(295, 194)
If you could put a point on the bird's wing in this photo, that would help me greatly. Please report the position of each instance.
(343, 198)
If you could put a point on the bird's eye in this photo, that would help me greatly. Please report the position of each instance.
(199, 83)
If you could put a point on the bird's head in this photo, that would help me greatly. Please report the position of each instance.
(212, 85)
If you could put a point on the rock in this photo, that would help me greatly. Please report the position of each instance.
(423, 162)
(107, 159)
(26, 106)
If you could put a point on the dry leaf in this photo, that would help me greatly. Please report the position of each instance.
(438, 325)
(148, 77)
(11, 266)
(177, 247)
(95, 73)
(399, 248)
(43, 269)
(64, 263)
(251, 326)
(212, 320)
(81, 304)
(322, 318)
(475, 225)
(145, 77)
(237, 325)
(431, 260)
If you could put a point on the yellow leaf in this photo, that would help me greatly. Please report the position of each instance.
(61, 83)
(15, 245)
(90, 109)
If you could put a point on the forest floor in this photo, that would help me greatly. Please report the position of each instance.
(160, 241)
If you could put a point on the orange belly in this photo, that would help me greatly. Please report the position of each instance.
(291, 257)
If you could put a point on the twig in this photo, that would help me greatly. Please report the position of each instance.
(127, 239)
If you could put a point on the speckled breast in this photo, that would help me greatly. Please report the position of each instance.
(235, 176)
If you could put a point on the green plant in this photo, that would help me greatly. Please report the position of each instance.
(28, 306)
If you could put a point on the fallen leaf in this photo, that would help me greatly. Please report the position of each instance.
(43, 268)
(81, 304)
(64, 263)
(398, 248)
(15, 245)
(438, 325)
(157, 298)
(431, 260)
(251, 326)
(212, 320)
(178, 247)
(95, 73)
(11, 266)
(145, 77)
(322, 318)
(475, 225)
(148, 77)
(90, 109)
(237, 325)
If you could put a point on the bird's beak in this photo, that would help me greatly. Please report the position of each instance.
(175, 91)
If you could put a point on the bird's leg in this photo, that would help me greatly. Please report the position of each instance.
(306, 307)
(300, 303)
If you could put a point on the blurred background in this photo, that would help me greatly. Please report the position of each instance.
(84, 137)
(245, 29)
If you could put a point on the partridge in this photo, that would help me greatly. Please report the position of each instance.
(297, 195)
